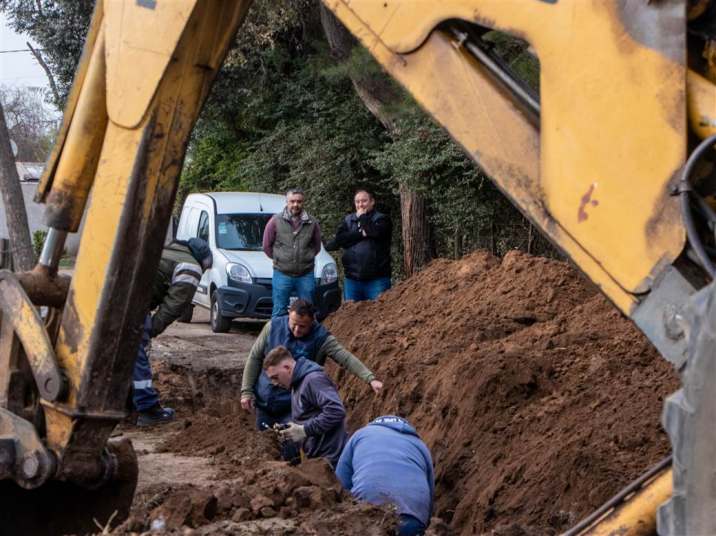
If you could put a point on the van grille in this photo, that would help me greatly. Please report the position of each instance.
(264, 306)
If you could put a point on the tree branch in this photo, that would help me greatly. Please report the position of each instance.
(48, 72)
(15, 212)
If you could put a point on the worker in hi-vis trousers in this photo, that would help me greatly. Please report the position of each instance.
(173, 288)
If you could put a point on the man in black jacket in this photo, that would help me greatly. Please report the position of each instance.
(365, 239)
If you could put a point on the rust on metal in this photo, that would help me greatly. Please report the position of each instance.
(586, 201)
(37, 463)
(60, 507)
(63, 210)
(44, 286)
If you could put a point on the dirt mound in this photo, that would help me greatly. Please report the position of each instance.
(538, 399)
(229, 439)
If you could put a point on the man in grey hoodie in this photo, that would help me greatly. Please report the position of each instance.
(317, 412)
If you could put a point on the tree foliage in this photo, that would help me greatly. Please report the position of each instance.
(274, 119)
(59, 27)
(284, 113)
(30, 123)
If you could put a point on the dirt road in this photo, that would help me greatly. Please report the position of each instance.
(198, 352)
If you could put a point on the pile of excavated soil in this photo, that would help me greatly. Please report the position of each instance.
(537, 398)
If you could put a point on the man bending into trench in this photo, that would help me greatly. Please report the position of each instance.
(387, 462)
(304, 337)
(317, 424)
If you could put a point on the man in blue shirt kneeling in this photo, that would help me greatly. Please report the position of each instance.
(387, 462)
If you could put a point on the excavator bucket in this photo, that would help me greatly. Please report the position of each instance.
(38, 494)
(59, 507)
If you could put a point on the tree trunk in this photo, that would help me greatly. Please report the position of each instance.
(493, 239)
(416, 231)
(46, 68)
(457, 245)
(16, 215)
(381, 97)
(529, 238)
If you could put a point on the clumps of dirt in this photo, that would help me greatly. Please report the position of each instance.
(227, 436)
(270, 498)
(195, 389)
(253, 493)
(537, 398)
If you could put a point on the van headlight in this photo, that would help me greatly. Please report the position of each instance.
(329, 274)
(238, 273)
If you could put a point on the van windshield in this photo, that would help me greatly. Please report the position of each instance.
(241, 231)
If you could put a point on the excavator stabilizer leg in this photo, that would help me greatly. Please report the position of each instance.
(59, 507)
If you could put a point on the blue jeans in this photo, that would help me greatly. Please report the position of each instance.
(410, 526)
(354, 290)
(283, 286)
(264, 421)
(144, 395)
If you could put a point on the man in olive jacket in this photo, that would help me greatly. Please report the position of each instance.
(292, 239)
(305, 338)
(173, 288)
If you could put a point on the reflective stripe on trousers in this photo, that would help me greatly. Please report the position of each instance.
(144, 396)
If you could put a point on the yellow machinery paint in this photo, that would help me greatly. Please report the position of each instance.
(592, 165)
(597, 187)
(145, 72)
(636, 516)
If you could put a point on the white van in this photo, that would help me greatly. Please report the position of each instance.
(239, 282)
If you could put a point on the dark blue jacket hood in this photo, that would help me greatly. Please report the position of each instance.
(302, 368)
(396, 423)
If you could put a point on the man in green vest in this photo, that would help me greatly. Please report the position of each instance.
(292, 238)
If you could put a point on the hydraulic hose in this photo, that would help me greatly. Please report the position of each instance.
(684, 201)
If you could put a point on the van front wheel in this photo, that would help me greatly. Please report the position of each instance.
(219, 324)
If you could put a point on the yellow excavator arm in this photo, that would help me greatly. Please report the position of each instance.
(146, 69)
(603, 160)
(598, 161)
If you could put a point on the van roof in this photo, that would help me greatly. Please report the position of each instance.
(232, 202)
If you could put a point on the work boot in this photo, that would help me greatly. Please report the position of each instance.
(155, 415)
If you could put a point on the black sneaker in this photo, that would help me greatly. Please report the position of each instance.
(155, 415)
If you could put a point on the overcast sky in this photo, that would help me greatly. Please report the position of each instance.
(17, 68)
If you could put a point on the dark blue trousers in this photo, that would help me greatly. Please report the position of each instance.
(354, 290)
(410, 526)
(144, 395)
